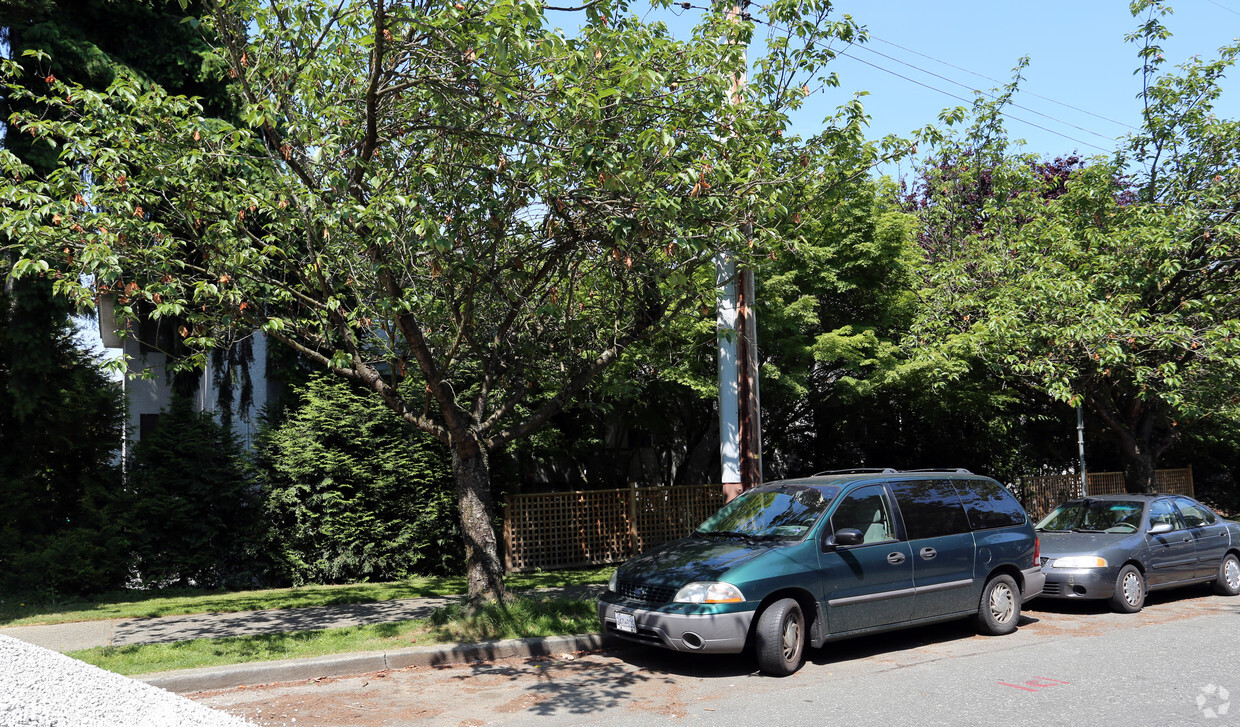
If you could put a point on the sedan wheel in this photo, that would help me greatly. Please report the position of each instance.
(1129, 590)
(1228, 582)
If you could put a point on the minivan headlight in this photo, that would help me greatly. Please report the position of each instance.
(613, 585)
(1080, 561)
(709, 592)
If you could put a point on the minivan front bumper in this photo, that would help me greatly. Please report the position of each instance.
(708, 633)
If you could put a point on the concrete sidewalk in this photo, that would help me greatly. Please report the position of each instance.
(122, 632)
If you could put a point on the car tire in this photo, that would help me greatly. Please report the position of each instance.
(780, 638)
(999, 609)
(1228, 581)
(1129, 596)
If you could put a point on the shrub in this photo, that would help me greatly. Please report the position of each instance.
(60, 433)
(353, 494)
(194, 517)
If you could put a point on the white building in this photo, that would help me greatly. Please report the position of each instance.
(149, 395)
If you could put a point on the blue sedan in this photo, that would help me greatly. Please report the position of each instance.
(1120, 547)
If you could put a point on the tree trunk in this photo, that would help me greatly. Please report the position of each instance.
(1139, 466)
(1142, 436)
(471, 473)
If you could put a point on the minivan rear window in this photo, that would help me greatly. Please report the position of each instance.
(784, 512)
(989, 504)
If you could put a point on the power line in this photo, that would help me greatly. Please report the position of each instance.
(994, 80)
(687, 6)
(1233, 12)
(1013, 117)
(987, 93)
(952, 95)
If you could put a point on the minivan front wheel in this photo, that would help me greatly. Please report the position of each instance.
(781, 638)
(999, 609)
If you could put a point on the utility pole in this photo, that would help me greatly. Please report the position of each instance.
(747, 383)
(729, 375)
(1080, 447)
(740, 412)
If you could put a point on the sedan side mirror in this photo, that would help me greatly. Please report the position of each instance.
(845, 537)
(1159, 529)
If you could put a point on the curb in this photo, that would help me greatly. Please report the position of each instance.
(339, 665)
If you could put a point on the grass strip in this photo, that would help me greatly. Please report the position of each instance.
(520, 618)
(176, 602)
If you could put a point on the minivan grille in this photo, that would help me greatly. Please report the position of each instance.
(642, 593)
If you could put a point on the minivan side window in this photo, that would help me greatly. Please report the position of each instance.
(868, 510)
(988, 504)
(930, 508)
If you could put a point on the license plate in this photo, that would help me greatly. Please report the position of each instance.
(625, 622)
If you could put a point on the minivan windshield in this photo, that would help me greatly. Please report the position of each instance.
(783, 512)
(1094, 516)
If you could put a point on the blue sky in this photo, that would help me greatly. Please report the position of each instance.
(1080, 67)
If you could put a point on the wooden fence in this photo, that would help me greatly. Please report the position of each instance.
(1040, 495)
(572, 529)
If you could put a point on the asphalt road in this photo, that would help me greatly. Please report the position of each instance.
(1175, 663)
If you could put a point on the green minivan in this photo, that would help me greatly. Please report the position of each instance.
(805, 561)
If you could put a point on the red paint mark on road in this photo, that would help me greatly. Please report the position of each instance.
(1035, 684)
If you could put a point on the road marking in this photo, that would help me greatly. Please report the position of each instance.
(1035, 684)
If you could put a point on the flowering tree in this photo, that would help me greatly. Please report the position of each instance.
(454, 193)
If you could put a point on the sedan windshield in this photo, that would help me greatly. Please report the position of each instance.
(1094, 516)
(784, 512)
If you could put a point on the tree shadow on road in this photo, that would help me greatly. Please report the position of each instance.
(568, 684)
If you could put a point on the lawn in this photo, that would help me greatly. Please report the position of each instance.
(146, 604)
(523, 617)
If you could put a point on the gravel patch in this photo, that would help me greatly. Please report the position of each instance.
(42, 688)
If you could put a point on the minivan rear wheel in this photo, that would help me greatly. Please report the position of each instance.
(781, 638)
(999, 609)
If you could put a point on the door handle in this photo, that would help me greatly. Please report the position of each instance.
(928, 553)
(895, 558)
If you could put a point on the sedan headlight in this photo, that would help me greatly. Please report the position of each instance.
(1080, 561)
(709, 592)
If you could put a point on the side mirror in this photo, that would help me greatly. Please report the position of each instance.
(1159, 529)
(843, 537)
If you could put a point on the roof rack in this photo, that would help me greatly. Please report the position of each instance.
(957, 470)
(858, 471)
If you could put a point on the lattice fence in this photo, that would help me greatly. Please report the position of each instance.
(572, 529)
(1177, 482)
(1041, 494)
